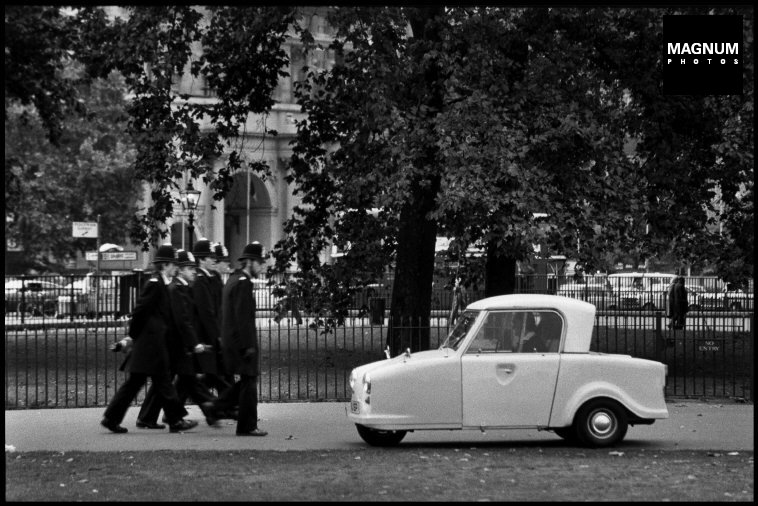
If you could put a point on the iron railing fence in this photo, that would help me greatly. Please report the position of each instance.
(63, 360)
(74, 297)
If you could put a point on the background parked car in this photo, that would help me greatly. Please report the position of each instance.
(739, 300)
(32, 297)
(598, 293)
(695, 293)
(640, 290)
(730, 297)
(85, 293)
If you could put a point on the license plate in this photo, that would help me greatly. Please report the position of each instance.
(354, 407)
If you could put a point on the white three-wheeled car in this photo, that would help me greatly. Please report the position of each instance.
(512, 361)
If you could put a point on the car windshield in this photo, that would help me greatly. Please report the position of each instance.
(455, 338)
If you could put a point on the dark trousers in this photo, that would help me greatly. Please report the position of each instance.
(187, 386)
(164, 392)
(245, 394)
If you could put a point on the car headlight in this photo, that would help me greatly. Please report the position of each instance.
(367, 388)
(352, 380)
(367, 384)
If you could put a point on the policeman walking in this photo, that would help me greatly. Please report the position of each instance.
(206, 294)
(239, 340)
(219, 276)
(149, 356)
(184, 347)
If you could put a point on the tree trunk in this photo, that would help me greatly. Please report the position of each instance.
(412, 286)
(416, 238)
(499, 272)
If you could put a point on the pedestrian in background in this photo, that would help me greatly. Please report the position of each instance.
(184, 347)
(206, 294)
(149, 356)
(677, 303)
(239, 340)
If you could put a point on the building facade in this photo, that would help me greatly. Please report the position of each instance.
(255, 209)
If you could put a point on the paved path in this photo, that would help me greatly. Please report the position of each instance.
(324, 425)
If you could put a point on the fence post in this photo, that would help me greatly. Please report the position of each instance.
(658, 336)
(752, 358)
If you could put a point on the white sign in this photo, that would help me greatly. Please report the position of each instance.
(12, 245)
(85, 229)
(123, 256)
(119, 255)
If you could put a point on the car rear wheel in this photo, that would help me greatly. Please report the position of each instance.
(601, 422)
(694, 307)
(376, 437)
(649, 306)
(49, 308)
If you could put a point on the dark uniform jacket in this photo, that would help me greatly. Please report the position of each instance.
(217, 289)
(207, 319)
(238, 331)
(149, 327)
(181, 337)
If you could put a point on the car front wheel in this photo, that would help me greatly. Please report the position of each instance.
(601, 422)
(27, 309)
(376, 437)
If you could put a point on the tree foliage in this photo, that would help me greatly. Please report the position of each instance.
(474, 122)
(242, 59)
(85, 174)
(38, 46)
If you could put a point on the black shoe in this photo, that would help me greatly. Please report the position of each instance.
(182, 426)
(254, 432)
(211, 418)
(113, 427)
(150, 425)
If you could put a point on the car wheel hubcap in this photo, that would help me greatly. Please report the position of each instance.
(601, 424)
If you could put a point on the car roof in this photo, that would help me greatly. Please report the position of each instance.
(579, 316)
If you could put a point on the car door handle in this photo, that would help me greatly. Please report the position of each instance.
(504, 373)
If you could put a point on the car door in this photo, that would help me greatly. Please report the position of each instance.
(502, 386)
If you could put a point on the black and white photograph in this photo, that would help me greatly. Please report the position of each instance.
(466, 252)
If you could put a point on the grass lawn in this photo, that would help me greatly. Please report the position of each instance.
(555, 472)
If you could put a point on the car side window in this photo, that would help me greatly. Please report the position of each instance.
(518, 332)
(492, 336)
(508, 331)
(548, 335)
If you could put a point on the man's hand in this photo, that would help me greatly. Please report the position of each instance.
(122, 345)
(202, 348)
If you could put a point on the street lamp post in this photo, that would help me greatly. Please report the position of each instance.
(190, 197)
